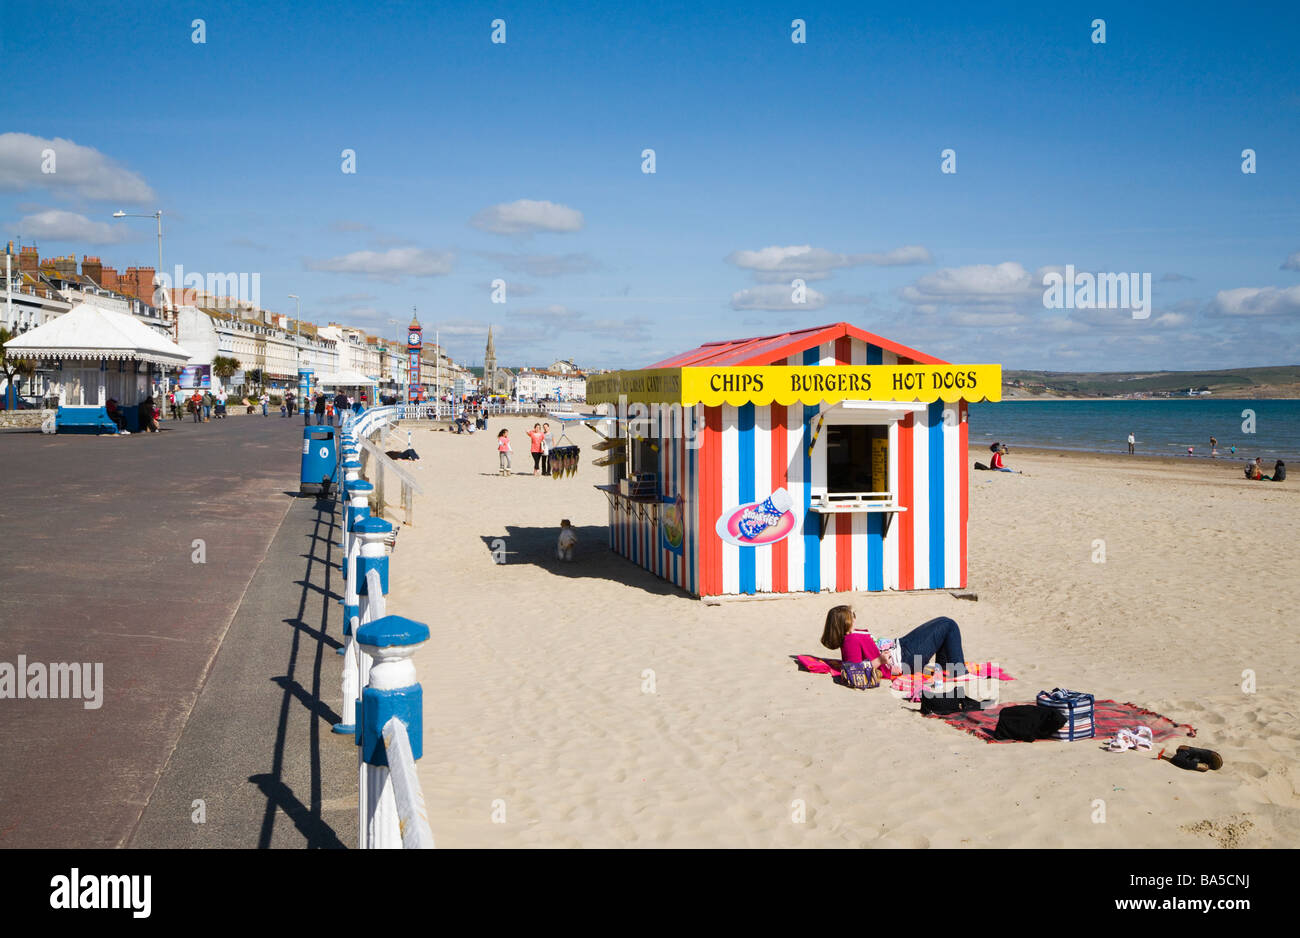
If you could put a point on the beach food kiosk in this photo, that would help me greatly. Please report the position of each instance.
(820, 459)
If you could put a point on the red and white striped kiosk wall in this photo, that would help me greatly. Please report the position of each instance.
(821, 459)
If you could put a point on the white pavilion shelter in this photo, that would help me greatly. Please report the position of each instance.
(98, 353)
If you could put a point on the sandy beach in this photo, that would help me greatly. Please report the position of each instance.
(591, 704)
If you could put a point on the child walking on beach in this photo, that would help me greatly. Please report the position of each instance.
(503, 452)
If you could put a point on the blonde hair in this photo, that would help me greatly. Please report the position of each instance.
(839, 622)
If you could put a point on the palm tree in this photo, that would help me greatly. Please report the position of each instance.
(223, 367)
(13, 368)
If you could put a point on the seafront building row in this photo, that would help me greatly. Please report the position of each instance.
(270, 347)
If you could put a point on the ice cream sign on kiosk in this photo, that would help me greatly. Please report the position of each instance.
(758, 523)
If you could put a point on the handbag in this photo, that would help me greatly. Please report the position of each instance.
(1075, 708)
(859, 675)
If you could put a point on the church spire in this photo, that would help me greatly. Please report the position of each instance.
(489, 364)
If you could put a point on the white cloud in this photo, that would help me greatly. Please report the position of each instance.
(810, 262)
(388, 265)
(1008, 282)
(78, 170)
(55, 225)
(1292, 262)
(776, 298)
(527, 216)
(1257, 301)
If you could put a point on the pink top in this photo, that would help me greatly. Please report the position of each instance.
(536, 437)
(860, 646)
(503, 445)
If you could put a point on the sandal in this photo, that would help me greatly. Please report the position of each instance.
(1209, 757)
(1123, 740)
(1185, 760)
(1142, 738)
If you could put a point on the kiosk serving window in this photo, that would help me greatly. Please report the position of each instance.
(855, 456)
(645, 457)
(857, 460)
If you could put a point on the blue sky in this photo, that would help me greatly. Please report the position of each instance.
(774, 160)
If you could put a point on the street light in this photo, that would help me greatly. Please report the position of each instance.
(395, 373)
(297, 350)
(162, 310)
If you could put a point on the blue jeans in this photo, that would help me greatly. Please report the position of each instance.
(939, 639)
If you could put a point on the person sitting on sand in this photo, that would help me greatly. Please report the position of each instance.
(997, 459)
(939, 639)
(1255, 470)
(1279, 472)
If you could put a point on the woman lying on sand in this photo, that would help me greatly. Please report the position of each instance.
(939, 639)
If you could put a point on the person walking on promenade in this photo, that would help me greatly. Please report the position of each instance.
(173, 405)
(265, 401)
(1131, 441)
(208, 400)
(320, 409)
(289, 401)
(340, 406)
(196, 406)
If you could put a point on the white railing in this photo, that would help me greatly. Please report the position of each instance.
(382, 701)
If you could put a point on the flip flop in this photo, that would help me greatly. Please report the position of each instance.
(1142, 738)
(1124, 740)
(1207, 756)
(1185, 760)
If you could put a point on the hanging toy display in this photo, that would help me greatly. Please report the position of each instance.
(564, 461)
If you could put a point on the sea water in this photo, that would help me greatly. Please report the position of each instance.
(1162, 427)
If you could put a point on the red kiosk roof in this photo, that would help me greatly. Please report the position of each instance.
(775, 349)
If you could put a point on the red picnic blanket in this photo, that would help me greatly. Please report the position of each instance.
(1109, 717)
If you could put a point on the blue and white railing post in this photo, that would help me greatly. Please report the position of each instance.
(357, 511)
(392, 737)
(351, 475)
(371, 591)
(371, 577)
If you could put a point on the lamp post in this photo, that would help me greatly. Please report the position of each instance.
(396, 374)
(162, 310)
(297, 350)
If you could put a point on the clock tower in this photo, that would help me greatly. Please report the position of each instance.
(414, 342)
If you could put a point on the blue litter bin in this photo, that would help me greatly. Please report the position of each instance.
(319, 460)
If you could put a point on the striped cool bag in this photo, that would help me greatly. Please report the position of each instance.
(1076, 708)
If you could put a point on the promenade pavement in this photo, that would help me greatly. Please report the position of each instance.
(145, 554)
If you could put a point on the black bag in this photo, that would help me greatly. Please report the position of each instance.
(943, 705)
(1028, 722)
(980, 465)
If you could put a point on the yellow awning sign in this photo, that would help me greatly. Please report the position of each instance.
(808, 384)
